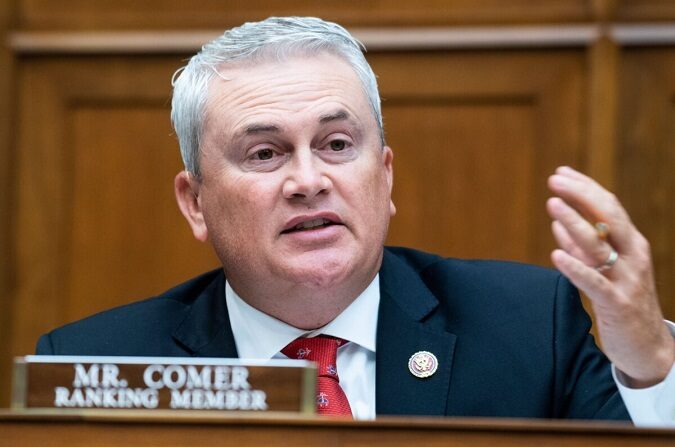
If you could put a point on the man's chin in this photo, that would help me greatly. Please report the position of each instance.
(318, 271)
(318, 277)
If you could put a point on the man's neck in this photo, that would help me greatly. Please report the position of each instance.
(304, 306)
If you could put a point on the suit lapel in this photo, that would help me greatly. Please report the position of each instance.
(406, 325)
(206, 330)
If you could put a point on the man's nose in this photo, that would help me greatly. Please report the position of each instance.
(306, 178)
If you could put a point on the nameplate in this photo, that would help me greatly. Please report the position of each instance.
(149, 383)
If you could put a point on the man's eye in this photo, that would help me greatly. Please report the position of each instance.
(337, 145)
(264, 154)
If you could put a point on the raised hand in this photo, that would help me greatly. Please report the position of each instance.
(604, 255)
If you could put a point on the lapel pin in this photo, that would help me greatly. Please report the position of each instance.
(423, 364)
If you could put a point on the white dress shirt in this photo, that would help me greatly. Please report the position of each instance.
(260, 336)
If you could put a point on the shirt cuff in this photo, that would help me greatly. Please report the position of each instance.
(653, 406)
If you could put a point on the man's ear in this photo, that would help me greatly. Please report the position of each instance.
(187, 188)
(388, 158)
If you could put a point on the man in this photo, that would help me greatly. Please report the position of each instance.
(288, 177)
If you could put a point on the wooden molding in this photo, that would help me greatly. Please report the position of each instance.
(643, 34)
(477, 37)
(375, 39)
(380, 39)
(113, 42)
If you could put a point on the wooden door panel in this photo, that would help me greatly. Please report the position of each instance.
(125, 230)
(475, 135)
(97, 224)
(460, 192)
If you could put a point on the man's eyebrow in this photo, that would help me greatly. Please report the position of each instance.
(256, 128)
(259, 128)
(335, 116)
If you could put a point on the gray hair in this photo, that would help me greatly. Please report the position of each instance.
(274, 38)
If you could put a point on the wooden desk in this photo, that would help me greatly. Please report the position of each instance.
(173, 428)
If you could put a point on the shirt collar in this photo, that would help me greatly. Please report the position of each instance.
(260, 336)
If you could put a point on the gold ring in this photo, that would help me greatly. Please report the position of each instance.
(602, 229)
(611, 260)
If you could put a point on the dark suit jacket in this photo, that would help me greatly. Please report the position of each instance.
(511, 340)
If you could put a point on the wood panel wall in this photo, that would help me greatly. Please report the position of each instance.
(482, 99)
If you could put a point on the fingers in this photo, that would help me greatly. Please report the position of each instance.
(576, 235)
(594, 284)
(593, 203)
(565, 241)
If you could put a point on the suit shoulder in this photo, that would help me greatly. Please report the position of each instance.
(487, 284)
(425, 263)
(119, 328)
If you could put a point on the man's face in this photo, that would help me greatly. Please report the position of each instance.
(295, 186)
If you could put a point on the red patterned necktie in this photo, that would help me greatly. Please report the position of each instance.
(330, 399)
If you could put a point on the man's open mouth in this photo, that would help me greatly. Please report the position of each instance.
(310, 225)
